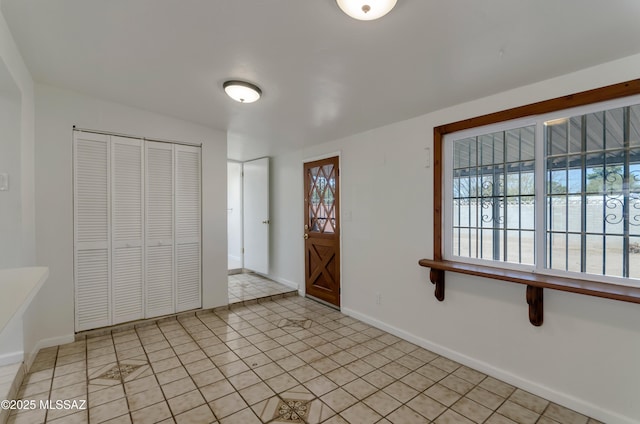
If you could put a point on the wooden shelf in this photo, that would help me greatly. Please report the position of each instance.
(535, 284)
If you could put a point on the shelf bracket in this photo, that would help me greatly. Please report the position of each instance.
(535, 300)
(437, 278)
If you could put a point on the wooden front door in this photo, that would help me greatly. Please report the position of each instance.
(322, 230)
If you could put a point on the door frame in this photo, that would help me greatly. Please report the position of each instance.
(241, 211)
(303, 286)
(265, 222)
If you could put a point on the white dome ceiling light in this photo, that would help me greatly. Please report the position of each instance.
(366, 10)
(242, 91)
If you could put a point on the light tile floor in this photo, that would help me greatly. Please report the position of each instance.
(289, 360)
(9, 377)
(250, 286)
(7, 374)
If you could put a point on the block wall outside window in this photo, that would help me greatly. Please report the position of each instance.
(493, 196)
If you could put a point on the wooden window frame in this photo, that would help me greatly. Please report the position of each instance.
(535, 283)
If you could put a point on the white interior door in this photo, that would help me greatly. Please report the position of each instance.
(234, 215)
(256, 215)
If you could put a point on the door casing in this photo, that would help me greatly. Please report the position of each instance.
(255, 211)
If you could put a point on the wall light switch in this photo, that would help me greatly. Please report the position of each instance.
(4, 181)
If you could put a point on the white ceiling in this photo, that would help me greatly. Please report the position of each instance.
(323, 74)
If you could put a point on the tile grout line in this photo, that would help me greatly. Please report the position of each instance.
(155, 376)
(124, 387)
(405, 403)
(400, 379)
(184, 365)
(53, 376)
(278, 395)
(226, 378)
(86, 365)
(243, 361)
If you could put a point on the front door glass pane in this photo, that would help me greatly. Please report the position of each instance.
(322, 186)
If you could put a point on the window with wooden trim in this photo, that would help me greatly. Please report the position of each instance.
(556, 193)
(586, 161)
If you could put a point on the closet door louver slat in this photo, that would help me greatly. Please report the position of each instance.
(188, 210)
(160, 287)
(92, 231)
(127, 235)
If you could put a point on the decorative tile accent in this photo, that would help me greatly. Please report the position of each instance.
(295, 406)
(292, 410)
(104, 375)
(120, 372)
(116, 373)
(291, 323)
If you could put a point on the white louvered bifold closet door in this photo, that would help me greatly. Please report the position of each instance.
(92, 230)
(160, 287)
(127, 237)
(188, 287)
(137, 226)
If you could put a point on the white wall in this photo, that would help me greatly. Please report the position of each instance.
(585, 356)
(234, 214)
(17, 206)
(17, 244)
(57, 110)
(10, 200)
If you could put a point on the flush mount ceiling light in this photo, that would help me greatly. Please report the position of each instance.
(242, 91)
(366, 10)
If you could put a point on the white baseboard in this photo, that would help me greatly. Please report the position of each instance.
(44, 343)
(11, 358)
(548, 393)
(285, 282)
